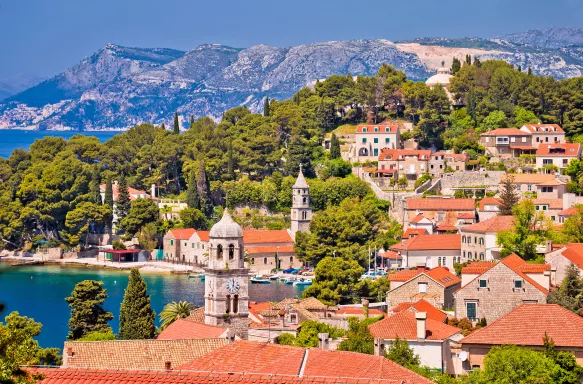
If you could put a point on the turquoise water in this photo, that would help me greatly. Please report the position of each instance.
(11, 139)
(39, 292)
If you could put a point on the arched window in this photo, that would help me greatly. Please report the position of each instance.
(236, 304)
(304, 215)
(219, 252)
(231, 251)
(439, 261)
(265, 260)
(463, 239)
(464, 254)
(228, 304)
(304, 199)
(481, 255)
(291, 260)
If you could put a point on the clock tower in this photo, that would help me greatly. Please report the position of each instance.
(226, 294)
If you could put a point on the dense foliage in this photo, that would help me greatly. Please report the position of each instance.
(174, 311)
(308, 334)
(570, 293)
(87, 313)
(136, 316)
(358, 338)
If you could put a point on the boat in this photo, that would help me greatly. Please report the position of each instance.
(289, 280)
(196, 276)
(273, 277)
(302, 282)
(259, 280)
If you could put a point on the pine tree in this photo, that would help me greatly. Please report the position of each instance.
(87, 313)
(519, 68)
(136, 316)
(204, 192)
(176, 123)
(230, 161)
(508, 195)
(95, 190)
(191, 192)
(570, 293)
(163, 126)
(123, 203)
(266, 107)
(477, 62)
(334, 147)
(108, 198)
(529, 71)
(455, 65)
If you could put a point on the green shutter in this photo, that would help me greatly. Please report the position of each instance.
(471, 310)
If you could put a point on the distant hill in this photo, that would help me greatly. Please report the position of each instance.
(118, 87)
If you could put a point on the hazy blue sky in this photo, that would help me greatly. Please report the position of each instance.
(44, 37)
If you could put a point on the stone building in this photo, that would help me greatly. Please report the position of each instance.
(186, 245)
(441, 161)
(494, 289)
(507, 142)
(439, 210)
(479, 240)
(544, 133)
(370, 140)
(226, 299)
(436, 286)
(560, 259)
(301, 213)
(411, 163)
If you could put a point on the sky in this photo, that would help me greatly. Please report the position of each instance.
(45, 37)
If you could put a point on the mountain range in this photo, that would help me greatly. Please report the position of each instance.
(118, 87)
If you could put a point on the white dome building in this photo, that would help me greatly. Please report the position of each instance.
(443, 77)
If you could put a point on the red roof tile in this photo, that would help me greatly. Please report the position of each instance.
(489, 201)
(381, 128)
(572, 211)
(531, 178)
(446, 227)
(443, 276)
(453, 156)
(540, 128)
(359, 311)
(505, 132)
(411, 232)
(132, 192)
(404, 275)
(574, 253)
(442, 204)
(466, 215)
(403, 325)
(527, 325)
(204, 235)
(560, 150)
(185, 329)
(390, 255)
(523, 147)
(421, 306)
(516, 263)
(418, 218)
(551, 203)
(262, 236)
(478, 267)
(494, 224)
(430, 243)
(272, 249)
(182, 233)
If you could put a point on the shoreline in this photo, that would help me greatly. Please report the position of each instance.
(156, 267)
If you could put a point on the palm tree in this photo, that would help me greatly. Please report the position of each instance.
(173, 311)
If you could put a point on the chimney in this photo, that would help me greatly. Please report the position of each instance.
(421, 318)
(168, 365)
(153, 191)
(69, 351)
(323, 338)
(547, 280)
(365, 308)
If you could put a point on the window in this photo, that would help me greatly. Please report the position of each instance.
(265, 260)
(513, 140)
(544, 207)
(192, 245)
(387, 140)
(483, 283)
(376, 140)
(546, 139)
(439, 261)
(471, 310)
(537, 139)
(553, 218)
(171, 242)
(364, 139)
(236, 304)
(376, 152)
(529, 188)
(518, 187)
(376, 129)
(469, 240)
(363, 129)
(291, 260)
(547, 161)
(481, 241)
(482, 256)
(228, 304)
(422, 287)
(463, 239)
(517, 284)
(231, 251)
(219, 252)
(524, 139)
(440, 216)
(547, 189)
(565, 162)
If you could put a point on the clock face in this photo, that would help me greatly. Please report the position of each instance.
(233, 286)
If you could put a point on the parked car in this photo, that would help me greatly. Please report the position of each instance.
(289, 270)
(302, 271)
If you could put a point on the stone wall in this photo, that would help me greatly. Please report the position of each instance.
(489, 179)
(436, 294)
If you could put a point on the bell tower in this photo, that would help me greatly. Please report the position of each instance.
(301, 213)
(226, 294)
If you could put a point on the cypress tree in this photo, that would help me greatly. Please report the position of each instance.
(95, 190)
(204, 193)
(334, 147)
(520, 68)
(529, 71)
(108, 198)
(455, 65)
(123, 202)
(136, 316)
(163, 126)
(230, 161)
(508, 195)
(176, 123)
(191, 121)
(191, 192)
(87, 313)
(266, 107)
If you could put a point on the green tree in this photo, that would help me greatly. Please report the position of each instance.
(508, 195)
(496, 119)
(19, 348)
(136, 316)
(174, 311)
(523, 116)
(308, 334)
(266, 107)
(573, 226)
(203, 188)
(148, 237)
(194, 218)
(400, 352)
(99, 336)
(95, 190)
(79, 219)
(141, 212)
(530, 230)
(176, 123)
(336, 281)
(191, 192)
(123, 203)
(358, 338)
(87, 313)
(570, 293)
(456, 65)
(334, 147)
(403, 182)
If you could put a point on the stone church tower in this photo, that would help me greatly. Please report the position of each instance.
(301, 213)
(226, 294)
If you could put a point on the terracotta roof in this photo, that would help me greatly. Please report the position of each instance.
(204, 235)
(540, 128)
(182, 233)
(381, 128)
(466, 215)
(404, 275)
(478, 267)
(400, 154)
(454, 156)
(552, 203)
(309, 303)
(271, 249)
(197, 315)
(442, 204)
(136, 354)
(572, 211)
(418, 218)
(515, 263)
(574, 253)
(523, 147)
(489, 201)
(443, 276)
(186, 329)
(560, 150)
(446, 227)
(403, 325)
(410, 232)
(534, 268)
(132, 192)
(531, 178)
(505, 132)
(267, 358)
(262, 236)
(359, 311)
(90, 376)
(390, 255)
(421, 306)
(527, 325)
(430, 243)
(494, 224)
